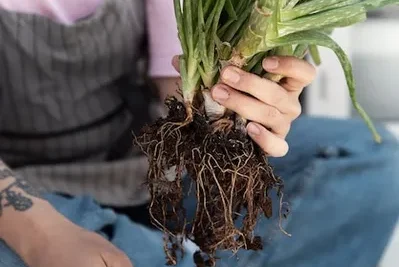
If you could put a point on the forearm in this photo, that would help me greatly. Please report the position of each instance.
(23, 213)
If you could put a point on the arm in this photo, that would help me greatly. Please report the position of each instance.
(31, 227)
(20, 211)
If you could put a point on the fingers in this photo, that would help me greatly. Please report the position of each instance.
(299, 73)
(175, 63)
(266, 91)
(273, 145)
(252, 109)
(123, 261)
(116, 259)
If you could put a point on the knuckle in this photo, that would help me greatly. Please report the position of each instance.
(311, 75)
(282, 128)
(272, 112)
(309, 72)
(312, 72)
(296, 110)
(279, 95)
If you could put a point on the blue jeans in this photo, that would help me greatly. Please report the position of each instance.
(342, 188)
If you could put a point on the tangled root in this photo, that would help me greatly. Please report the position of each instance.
(231, 178)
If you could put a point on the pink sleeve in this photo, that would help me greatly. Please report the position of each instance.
(63, 11)
(163, 39)
(164, 43)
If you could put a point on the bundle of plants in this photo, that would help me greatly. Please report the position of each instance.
(230, 175)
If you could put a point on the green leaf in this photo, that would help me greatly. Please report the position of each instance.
(219, 9)
(321, 20)
(188, 23)
(255, 63)
(180, 25)
(307, 8)
(230, 10)
(291, 4)
(207, 6)
(321, 39)
(349, 21)
(300, 50)
(345, 3)
(375, 4)
(233, 30)
(315, 54)
(201, 45)
(285, 50)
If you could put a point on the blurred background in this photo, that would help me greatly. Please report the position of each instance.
(373, 47)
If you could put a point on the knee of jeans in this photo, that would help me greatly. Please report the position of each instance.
(357, 141)
(327, 130)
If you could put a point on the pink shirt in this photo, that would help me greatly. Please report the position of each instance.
(164, 43)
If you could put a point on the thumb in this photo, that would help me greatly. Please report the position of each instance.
(175, 63)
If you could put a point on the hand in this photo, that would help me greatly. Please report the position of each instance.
(71, 246)
(43, 237)
(67, 245)
(271, 107)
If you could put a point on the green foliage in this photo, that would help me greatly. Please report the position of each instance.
(214, 33)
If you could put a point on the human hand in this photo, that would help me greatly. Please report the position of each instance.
(271, 107)
(43, 237)
(67, 245)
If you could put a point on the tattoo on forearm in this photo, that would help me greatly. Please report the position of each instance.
(5, 173)
(17, 194)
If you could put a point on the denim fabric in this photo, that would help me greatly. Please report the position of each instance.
(342, 189)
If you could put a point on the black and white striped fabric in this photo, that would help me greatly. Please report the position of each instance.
(62, 117)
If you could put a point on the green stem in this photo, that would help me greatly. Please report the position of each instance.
(253, 36)
(190, 79)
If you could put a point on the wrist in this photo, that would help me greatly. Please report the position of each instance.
(25, 231)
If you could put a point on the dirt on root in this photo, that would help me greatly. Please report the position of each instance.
(230, 177)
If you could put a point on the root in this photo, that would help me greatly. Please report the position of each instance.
(189, 114)
(231, 178)
(223, 125)
(241, 124)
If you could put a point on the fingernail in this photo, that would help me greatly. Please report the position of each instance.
(219, 93)
(231, 75)
(271, 63)
(253, 129)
